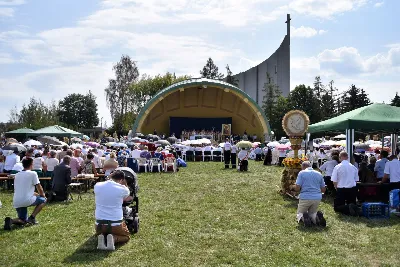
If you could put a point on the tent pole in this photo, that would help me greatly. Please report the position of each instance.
(383, 141)
(349, 143)
(394, 143)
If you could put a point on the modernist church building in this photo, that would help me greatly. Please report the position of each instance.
(277, 65)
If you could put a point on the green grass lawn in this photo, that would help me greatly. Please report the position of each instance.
(204, 216)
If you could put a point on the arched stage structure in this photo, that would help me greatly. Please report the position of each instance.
(200, 101)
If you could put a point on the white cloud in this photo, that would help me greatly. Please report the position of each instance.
(345, 62)
(6, 12)
(305, 32)
(379, 4)
(59, 82)
(11, 2)
(6, 58)
(325, 9)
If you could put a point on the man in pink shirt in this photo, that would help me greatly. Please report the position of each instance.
(75, 164)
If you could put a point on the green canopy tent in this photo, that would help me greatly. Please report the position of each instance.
(375, 117)
(21, 133)
(57, 131)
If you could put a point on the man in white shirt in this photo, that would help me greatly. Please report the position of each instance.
(11, 160)
(96, 160)
(233, 156)
(344, 178)
(136, 153)
(25, 183)
(327, 168)
(109, 196)
(227, 153)
(243, 157)
(391, 175)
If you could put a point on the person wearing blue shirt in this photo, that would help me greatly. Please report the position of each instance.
(380, 165)
(311, 185)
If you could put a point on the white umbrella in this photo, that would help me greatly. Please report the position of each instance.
(273, 144)
(120, 145)
(328, 143)
(76, 146)
(340, 136)
(32, 143)
(205, 141)
(186, 143)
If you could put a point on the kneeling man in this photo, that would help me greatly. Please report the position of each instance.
(311, 185)
(109, 196)
(25, 183)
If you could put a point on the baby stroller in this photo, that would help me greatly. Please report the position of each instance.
(130, 209)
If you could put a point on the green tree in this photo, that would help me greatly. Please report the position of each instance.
(328, 105)
(303, 98)
(210, 71)
(148, 86)
(36, 115)
(396, 100)
(272, 93)
(78, 111)
(230, 78)
(353, 98)
(319, 88)
(281, 108)
(118, 90)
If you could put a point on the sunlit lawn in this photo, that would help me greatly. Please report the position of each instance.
(204, 216)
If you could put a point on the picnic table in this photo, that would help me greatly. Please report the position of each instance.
(85, 178)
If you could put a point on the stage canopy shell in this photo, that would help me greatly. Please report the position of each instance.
(203, 98)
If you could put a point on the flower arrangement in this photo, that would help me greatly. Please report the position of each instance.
(293, 162)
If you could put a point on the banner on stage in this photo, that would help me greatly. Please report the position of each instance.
(226, 129)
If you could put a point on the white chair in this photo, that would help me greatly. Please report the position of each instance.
(143, 163)
(168, 162)
(155, 162)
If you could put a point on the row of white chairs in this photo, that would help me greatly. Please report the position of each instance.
(157, 163)
(212, 155)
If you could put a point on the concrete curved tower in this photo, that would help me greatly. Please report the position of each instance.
(277, 65)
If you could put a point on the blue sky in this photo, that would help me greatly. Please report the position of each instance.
(50, 48)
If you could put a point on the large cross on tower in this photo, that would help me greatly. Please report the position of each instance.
(288, 19)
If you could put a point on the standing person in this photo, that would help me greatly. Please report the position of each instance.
(380, 165)
(344, 178)
(25, 196)
(311, 185)
(327, 168)
(243, 157)
(268, 157)
(233, 155)
(227, 153)
(109, 197)
(61, 179)
(392, 175)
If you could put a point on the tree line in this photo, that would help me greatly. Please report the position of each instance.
(320, 102)
(128, 93)
(75, 111)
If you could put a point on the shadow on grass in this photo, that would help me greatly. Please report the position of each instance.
(88, 252)
(312, 229)
(371, 223)
(14, 228)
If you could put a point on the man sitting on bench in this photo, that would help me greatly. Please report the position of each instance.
(25, 183)
(109, 196)
(243, 157)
